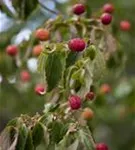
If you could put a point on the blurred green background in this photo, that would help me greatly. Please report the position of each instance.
(116, 112)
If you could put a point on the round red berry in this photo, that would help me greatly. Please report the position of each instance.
(78, 9)
(125, 25)
(75, 102)
(40, 89)
(76, 45)
(12, 50)
(25, 76)
(42, 34)
(90, 96)
(101, 146)
(106, 18)
(108, 8)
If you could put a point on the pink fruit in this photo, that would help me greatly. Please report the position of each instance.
(108, 8)
(12, 50)
(78, 9)
(40, 89)
(106, 18)
(101, 146)
(75, 102)
(77, 45)
(125, 25)
(25, 76)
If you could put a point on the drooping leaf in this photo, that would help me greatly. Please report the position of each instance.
(29, 142)
(88, 79)
(90, 52)
(13, 122)
(62, 144)
(58, 129)
(86, 139)
(23, 133)
(41, 62)
(74, 146)
(9, 138)
(50, 107)
(54, 67)
(79, 75)
(72, 57)
(51, 147)
(37, 134)
(69, 142)
(99, 65)
(111, 44)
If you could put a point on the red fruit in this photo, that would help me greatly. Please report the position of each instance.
(25, 76)
(37, 50)
(12, 50)
(125, 25)
(108, 8)
(106, 18)
(39, 89)
(78, 9)
(76, 45)
(75, 102)
(105, 88)
(101, 146)
(42, 34)
(90, 95)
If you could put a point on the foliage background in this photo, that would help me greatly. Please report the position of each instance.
(115, 116)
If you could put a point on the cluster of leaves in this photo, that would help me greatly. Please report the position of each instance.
(51, 129)
(74, 71)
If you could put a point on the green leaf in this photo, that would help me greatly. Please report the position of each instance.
(62, 144)
(68, 142)
(57, 132)
(29, 143)
(51, 147)
(90, 52)
(99, 65)
(79, 75)
(86, 139)
(13, 122)
(41, 62)
(23, 133)
(49, 107)
(88, 79)
(74, 146)
(54, 67)
(72, 57)
(37, 134)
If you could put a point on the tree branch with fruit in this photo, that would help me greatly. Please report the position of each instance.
(74, 54)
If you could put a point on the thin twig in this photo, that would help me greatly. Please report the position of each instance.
(48, 9)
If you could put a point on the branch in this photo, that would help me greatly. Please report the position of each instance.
(48, 9)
